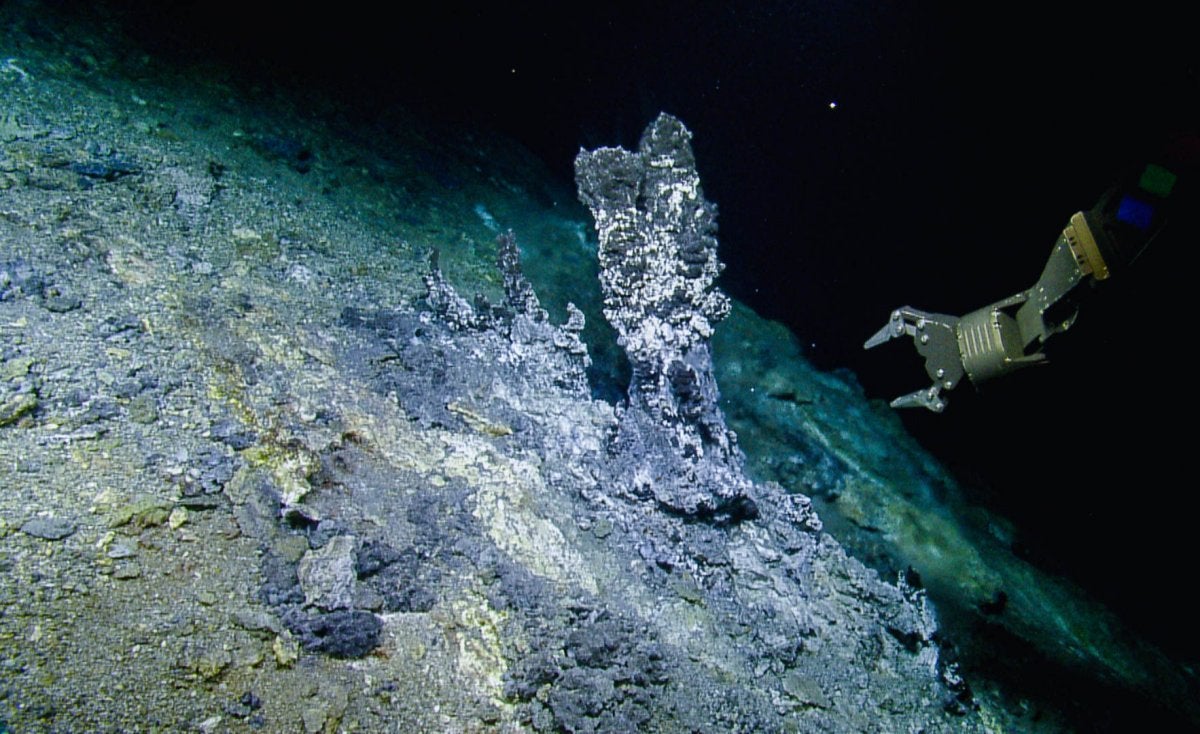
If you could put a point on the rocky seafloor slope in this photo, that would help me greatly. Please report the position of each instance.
(262, 468)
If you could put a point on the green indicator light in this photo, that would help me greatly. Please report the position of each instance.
(1157, 180)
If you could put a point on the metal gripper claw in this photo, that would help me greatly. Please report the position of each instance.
(936, 339)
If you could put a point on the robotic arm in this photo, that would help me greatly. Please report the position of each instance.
(1010, 334)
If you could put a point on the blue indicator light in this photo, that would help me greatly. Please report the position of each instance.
(1135, 213)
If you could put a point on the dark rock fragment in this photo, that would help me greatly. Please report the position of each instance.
(105, 169)
(48, 528)
(340, 634)
(233, 435)
(60, 299)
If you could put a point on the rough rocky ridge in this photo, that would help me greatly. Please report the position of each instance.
(658, 264)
